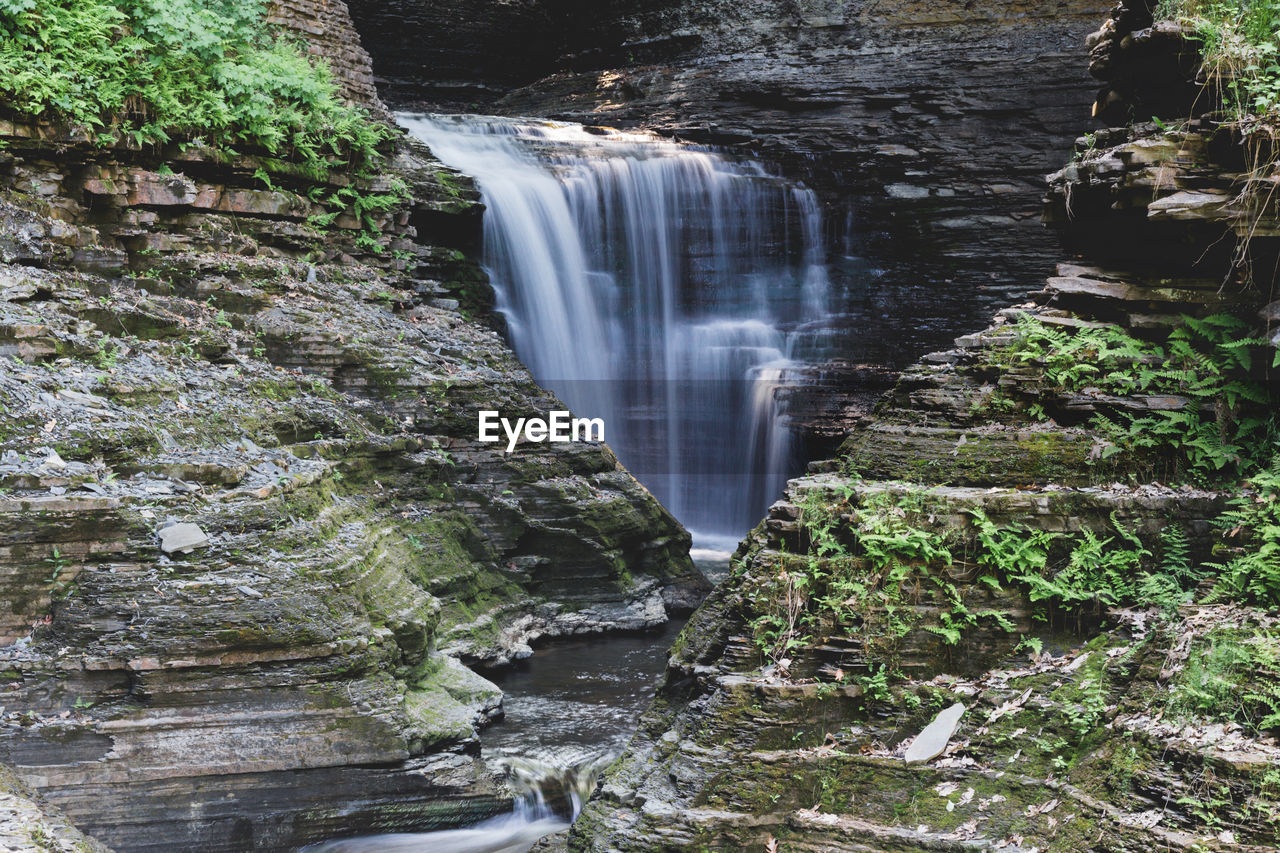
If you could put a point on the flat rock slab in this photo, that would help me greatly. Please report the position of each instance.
(182, 537)
(82, 398)
(930, 743)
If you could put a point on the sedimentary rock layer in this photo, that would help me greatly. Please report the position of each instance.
(247, 539)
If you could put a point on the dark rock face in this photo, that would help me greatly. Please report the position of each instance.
(456, 51)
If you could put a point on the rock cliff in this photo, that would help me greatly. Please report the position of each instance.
(325, 26)
(248, 542)
(996, 535)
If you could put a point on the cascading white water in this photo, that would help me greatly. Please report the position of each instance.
(654, 285)
(532, 817)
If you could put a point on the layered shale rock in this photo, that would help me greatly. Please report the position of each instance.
(325, 26)
(248, 541)
(785, 721)
(29, 825)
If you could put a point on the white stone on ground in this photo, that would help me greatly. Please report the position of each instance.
(930, 743)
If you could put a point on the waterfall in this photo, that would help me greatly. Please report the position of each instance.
(548, 799)
(660, 287)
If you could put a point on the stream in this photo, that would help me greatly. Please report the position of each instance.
(569, 711)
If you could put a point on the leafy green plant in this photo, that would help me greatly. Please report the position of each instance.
(1240, 40)
(210, 72)
(860, 558)
(1223, 428)
(58, 564)
(1232, 675)
(1251, 529)
(869, 560)
(1072, 573)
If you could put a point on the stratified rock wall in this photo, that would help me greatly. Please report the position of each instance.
(248, 541)
(30, 825)
(325, 25)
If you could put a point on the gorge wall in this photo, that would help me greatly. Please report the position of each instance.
(926, 128)
(247, 541)
(325, 26)
(872, 597)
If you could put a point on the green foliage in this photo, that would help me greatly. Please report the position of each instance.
(1073, 360)
(1252, 537)
(1083, 717)
(1175, 554)
(1172, 584)
(875, 687)
(58, 563)
(869, 561)
(862, 558)
(1087, 570)
(1226, 428)
(210, 71)
(1241, 42)
(1232, 675)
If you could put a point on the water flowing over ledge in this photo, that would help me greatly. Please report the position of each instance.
(664, 288)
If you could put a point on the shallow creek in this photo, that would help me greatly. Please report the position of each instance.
(569, 711)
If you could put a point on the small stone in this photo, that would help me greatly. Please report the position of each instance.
(930, 743)
(249, 591)
(183, 538)
(54, 462)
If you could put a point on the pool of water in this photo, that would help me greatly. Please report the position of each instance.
(570, 710)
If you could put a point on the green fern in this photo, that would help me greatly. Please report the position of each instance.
(1175, 556)
(1252, 536)
(209, 72)
(1227, 426)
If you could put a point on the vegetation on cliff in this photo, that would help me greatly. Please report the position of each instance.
(866, 560)
(211, 72)
(1213, 371)
(1241, 48)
